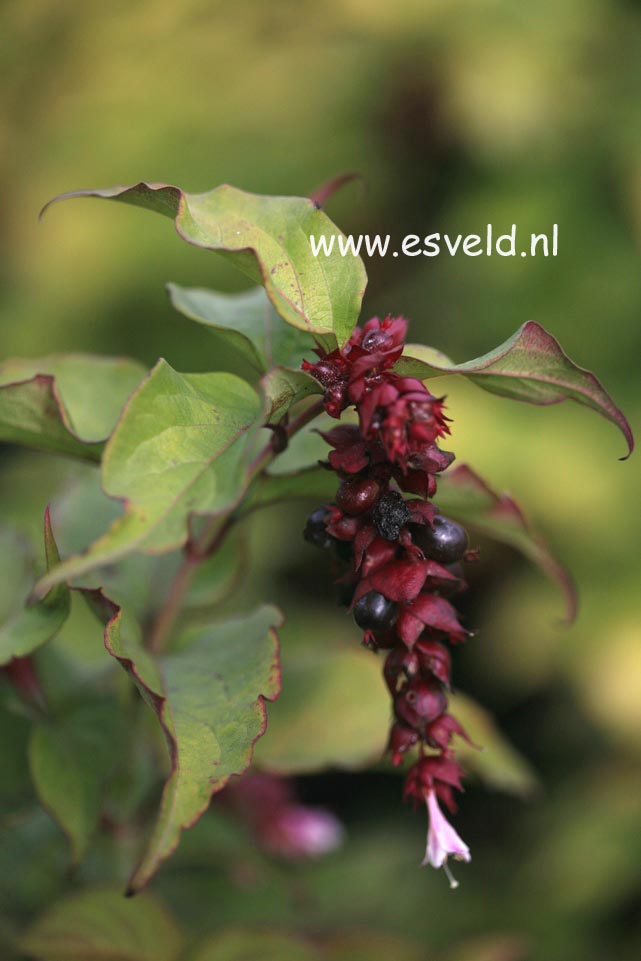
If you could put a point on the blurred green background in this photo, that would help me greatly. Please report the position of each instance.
(456, 114)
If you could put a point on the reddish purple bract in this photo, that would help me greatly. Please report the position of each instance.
(392, 452)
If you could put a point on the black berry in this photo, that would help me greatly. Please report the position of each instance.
(315, 530)
(390, 514)
(374, 612)
(445, 542)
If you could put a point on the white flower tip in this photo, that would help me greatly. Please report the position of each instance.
(450, 877)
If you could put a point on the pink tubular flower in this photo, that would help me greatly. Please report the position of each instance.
(298, 831)
(442, 840)
(281, 824)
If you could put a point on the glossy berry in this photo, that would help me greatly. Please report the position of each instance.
(445, 542)
(420, 703)
(357, 495)
(316, 532)
(390, 514)
(374, 612)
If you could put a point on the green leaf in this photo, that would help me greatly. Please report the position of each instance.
(315, 483)
(531, 366)
(295, 474)
(27, 628)
(268, 239)
(497, 763)
(327, 675)
(243, 945)
(15, 784)
(325, 680)
(16, 572)
(180, 448)
(29, 882)
(465, 497)
(247, 322)
(101, 925)
(71, 759)
(65, 404)
(209, 699)
(218, 575)
(139, 582)
(283, 388)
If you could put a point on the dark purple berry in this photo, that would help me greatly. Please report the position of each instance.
(420, 703)
(316, 532)
(445, 542)
(374, 612)
(357, 495)
(390, 514)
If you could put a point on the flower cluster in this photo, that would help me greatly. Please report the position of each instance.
(403, 556)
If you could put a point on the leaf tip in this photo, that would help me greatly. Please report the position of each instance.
(629, 436)
(67, 195)
(326, 191)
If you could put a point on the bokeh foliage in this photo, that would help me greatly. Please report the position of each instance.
(457, 114)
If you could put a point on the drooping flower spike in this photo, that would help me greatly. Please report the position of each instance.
(400, 556)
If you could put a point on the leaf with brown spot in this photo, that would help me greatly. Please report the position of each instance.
(267, 238)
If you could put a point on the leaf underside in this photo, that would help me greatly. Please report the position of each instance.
(247, 322)
(464, 496)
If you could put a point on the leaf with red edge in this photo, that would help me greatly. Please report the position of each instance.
(531, 366)
(182, 447)
(465, 497)
(209, 697)
(64, 404)
(268, 238)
